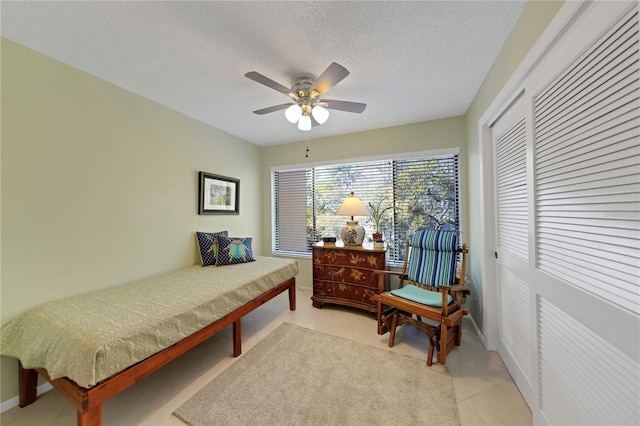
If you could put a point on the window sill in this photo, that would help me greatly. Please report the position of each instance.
(291, 254)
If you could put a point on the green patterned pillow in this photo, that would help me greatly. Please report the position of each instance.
(209, 246)
(234, 250)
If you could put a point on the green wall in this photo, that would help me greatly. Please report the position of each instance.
(99, 185)
(533, 20)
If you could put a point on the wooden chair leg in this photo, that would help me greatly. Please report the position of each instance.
(394, 324)
(434, 344)
(430, 355)
(442, 353)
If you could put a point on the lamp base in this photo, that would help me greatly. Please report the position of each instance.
(352, 234)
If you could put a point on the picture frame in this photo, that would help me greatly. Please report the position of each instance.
(218, 194)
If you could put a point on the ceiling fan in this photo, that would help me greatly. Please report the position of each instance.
(308, 108)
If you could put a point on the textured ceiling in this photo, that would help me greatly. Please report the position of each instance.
(409, 61)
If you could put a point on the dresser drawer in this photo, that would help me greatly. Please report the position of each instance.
(353, 293)
(354, 258)
(345, 274)
(319, 288)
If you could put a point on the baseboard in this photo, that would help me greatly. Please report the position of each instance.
(478, 332)
(15, 401)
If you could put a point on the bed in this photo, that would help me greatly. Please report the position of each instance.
(94, 345)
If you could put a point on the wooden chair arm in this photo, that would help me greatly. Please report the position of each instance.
(460, 288)
(459, 293)
(444, 290)
(381, 277)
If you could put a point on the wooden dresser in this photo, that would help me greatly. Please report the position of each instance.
(344, 275)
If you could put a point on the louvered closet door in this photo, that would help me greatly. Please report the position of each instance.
(570, 193)
(512, 256)
(587, 213)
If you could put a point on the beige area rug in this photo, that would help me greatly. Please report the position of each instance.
(298, 376)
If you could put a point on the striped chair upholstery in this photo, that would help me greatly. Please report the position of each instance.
(432, 257)
(431, 263)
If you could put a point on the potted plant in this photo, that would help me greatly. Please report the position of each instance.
(377, 212)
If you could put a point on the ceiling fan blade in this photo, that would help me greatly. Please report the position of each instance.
(272, 109)
(343, 105)
(329, 78)
(259, 78)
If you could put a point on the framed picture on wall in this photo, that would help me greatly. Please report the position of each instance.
(218, 194)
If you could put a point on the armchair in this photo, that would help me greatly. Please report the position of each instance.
(428, 289)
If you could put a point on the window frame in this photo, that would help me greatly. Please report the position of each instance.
(345, 161)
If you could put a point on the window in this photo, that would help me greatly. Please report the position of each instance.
(423, 191)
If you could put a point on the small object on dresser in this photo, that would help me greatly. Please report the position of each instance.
(378, 244)
(329, 239)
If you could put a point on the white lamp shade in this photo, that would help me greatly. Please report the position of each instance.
(320, 114)
(304, 123)
(293, 113)
(352, 206)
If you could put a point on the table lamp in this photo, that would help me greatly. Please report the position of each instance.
(352, 234)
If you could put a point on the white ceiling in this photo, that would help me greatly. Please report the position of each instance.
(409, 61)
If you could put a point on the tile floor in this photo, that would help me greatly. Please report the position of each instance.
(485, 391)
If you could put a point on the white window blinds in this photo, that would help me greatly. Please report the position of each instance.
(423, 191)
(290, 195)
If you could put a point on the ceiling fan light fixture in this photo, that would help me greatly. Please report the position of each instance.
(293, 113)
(320, 114)
(304, 123)
(306, 93)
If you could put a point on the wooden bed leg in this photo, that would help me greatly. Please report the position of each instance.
(292, 298)
(237, 337)
(28, 385)
(93, 417)
(379, 314)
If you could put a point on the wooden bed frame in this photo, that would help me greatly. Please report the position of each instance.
(88, 402)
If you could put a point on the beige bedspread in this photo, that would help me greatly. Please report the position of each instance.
(92, 336)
